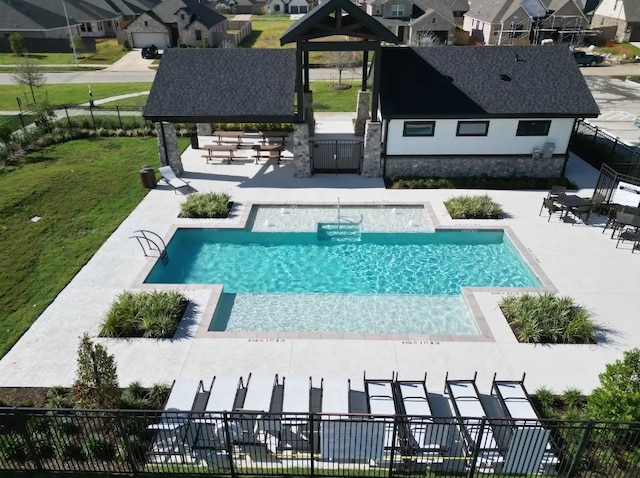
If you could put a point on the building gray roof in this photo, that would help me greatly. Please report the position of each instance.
(631, 10)
(476, 82)
(224, 85)
(20, 15)
(492, 11)
(79, 10)
(125, 7)
(205, 15)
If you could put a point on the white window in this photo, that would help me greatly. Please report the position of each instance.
(472, 128)
(397, 11)
(419, 128)
(377, 10)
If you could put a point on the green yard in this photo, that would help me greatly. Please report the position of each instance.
(69, 93)
(108, 52)
(266, 34)
(134, 101)
(82, 190)
(14, 121)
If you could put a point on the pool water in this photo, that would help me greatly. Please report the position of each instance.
(299, 263)
(375, 283)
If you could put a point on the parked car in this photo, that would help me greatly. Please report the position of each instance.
(583, 58)
(150, 52)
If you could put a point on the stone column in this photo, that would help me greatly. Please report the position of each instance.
(301, 151)
(362, 112)
(168, 147)
(308, 107)
(205, 129)
(372, 160)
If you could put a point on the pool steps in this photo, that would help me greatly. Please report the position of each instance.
(339, 232)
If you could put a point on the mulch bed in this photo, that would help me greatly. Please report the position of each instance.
(23, 396)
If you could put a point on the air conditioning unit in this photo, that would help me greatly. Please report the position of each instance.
(536, 154)
(547, 150)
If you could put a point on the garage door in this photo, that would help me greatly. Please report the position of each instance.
(147, 39)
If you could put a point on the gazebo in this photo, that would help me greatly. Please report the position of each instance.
(206, 86)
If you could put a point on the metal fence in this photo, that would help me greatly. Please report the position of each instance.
(240, 444)
(598, 147)
(94, 117)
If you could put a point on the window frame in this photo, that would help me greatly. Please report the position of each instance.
(400, 8)
(521, 133)
(485, 123)
(405, 133)
(198, 34)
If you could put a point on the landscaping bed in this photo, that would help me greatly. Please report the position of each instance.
(484, 182)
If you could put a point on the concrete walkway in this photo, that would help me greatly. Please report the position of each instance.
(579, 260)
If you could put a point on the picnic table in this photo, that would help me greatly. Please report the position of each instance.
(274, 150)
(225, 150)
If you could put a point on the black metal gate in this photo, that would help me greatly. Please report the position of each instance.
(336, 155)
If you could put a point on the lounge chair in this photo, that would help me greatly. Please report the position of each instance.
(169, 177)
(425, 435)
(529, 451)
(472, 420)
(296, 402)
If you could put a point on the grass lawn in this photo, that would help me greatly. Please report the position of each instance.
(70, 93)
(14, 121)
(82, 190)
(266, 34)
(135, 101)
(327, 99)
(108, 52)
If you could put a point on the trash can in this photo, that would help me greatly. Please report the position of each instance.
(148, 177)
(194, 141)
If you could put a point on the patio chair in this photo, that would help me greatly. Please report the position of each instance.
(551, 207)
(629, 235)
(556, 191)
(169, 177)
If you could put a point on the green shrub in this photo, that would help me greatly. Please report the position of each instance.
(158, 395)
(154, 314)
(13, 447)
(473, 207)
(549, 319)
(546, 401)
(618, 396)
(253, 126)
(573, 398)
(478, 182)
(99, 447)
(206, 205)
(69, 450)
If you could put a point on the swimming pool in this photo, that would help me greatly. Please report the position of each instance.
(370, 282)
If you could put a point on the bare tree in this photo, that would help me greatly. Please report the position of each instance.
(29, 73)
(428, 38)
(341, 61)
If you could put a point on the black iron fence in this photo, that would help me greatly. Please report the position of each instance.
(598, 147)
(94, 117)
(242, 443)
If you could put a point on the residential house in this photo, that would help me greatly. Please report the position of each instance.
(417, 22)
(290, 6)
(248, 7)
(503, 22)
(178, 22)
(500, 111)
(32, 20)
(618, 20)
(88, 18)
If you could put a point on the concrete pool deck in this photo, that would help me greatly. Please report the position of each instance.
(580, 261)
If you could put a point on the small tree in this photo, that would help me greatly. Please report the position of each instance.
(341, 60)
(29, 73)
(96, 383)
(44, 115)
(17, 44)
(618, 396)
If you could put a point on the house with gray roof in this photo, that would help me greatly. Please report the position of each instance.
(500, 111)
(419, 22)
(618, 20)
(88, 18)
(33, 20)
(178, 22)
(508, 22)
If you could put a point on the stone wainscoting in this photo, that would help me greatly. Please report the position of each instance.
(466, 166)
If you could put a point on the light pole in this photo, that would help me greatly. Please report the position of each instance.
(73, 45)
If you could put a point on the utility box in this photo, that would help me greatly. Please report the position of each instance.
(148, 177)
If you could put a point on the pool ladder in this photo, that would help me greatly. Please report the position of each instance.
(151, 244)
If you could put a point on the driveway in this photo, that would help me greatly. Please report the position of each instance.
(131, 62)
(619, 103)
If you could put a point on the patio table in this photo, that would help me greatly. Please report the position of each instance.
(568, 201)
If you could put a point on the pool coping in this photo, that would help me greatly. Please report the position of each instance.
(468, 293)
